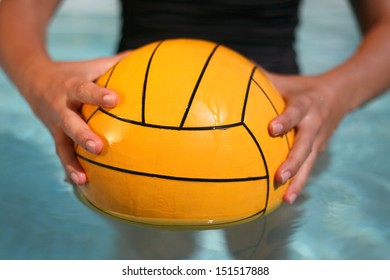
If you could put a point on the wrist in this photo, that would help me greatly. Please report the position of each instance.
(35, 75)
(343, 90)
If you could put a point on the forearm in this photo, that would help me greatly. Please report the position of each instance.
(23, 33)
(366, 74)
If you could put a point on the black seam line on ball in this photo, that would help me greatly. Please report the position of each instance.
(112, 71)
(264, 161)
(273, 106)
(225, 126)
(90, 117)
(266, 95)
(197, 86)
(210, 180)
(146, 81)
(247, 94)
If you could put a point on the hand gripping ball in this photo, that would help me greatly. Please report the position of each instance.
(188, 143)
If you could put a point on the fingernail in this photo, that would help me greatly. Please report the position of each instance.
(285, 176)
(109, 100)
(74, 178)
(277, 129)
(91, 145)
(291, 198)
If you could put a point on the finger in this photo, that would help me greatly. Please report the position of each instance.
(80, 91)
(292, 115)
(300, 179)
(65, 151)
(76, 128)
(302, 148)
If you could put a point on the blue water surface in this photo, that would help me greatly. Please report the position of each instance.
(342, 214)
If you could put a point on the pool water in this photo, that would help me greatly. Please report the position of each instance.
(343, 213)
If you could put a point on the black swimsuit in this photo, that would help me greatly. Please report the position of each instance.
(263, 30)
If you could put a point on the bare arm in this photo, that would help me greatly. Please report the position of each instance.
(316, 104)
(367, 72)
(23, 31)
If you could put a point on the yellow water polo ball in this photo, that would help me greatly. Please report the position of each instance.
(188, 143)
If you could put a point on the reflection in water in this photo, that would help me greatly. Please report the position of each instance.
(263, 238)
(267, 237)
(139, 242)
